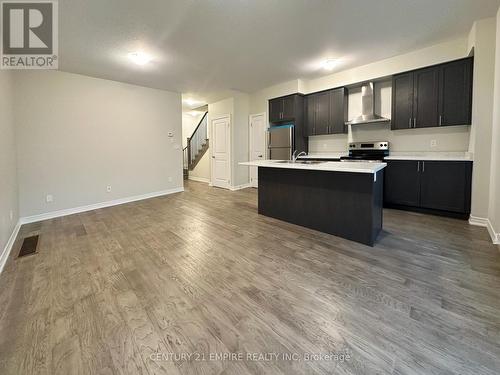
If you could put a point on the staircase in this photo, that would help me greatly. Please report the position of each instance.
(196, 147)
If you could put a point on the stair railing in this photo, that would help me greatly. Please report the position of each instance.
(197, 140)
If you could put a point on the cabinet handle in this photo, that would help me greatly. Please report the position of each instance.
(423, 166)
(409, 122)
(418, 166)
(414, 122)
(440, 120)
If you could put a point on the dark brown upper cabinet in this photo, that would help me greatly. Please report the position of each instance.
(326, 112)
(455, 93)
(282, 109)
(310, 115)
(402, 101)
(288, 108)
(436, 96)
(338, 111)
(275, 110)
(425, 98)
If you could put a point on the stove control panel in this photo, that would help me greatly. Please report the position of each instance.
(379, 145)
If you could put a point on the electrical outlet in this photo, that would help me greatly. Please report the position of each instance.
(108, 188)
(434, 143)
(49, 198)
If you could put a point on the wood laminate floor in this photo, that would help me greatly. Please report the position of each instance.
(200, 274)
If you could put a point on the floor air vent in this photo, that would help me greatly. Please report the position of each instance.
(29, 246)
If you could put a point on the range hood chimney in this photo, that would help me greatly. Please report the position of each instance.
(367, 107)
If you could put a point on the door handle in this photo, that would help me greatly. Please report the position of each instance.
(259, 156)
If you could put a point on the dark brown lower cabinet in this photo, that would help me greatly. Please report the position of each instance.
(440, 187)
(402, 182)
(446, 186)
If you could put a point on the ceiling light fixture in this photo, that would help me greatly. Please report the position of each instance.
(330, 64)
(139, 58)
(191, 102)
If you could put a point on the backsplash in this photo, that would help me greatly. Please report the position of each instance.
(452, 138)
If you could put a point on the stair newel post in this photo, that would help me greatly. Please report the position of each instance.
(189, 151)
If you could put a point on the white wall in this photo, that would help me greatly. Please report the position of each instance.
(241, 139)
(494, 209)
(8, 173)
(189, 122)
(237, 107)
(201, 172)
(77, 135)
(482, 39)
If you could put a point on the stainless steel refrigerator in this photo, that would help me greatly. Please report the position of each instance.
(280, 142)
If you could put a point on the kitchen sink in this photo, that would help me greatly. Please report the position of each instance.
(300, 162)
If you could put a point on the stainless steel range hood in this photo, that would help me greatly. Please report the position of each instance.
(367, 107)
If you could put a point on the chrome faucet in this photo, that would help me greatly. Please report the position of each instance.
(295, 157)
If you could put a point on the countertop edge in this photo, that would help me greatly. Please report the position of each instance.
(323, 167)
(429, 158)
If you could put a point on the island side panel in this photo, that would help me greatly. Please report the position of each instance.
(339, 203)
(378, 204)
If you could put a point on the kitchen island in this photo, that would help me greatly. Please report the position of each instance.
(340, 198)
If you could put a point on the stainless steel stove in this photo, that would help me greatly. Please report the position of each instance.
(371, 152)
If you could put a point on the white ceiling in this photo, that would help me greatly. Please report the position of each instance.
(212, 46)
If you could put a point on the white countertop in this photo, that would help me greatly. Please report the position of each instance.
(438, 156)
(330, 166)
(333, 155)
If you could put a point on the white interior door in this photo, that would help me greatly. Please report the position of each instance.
(221, 170)
(258, 129)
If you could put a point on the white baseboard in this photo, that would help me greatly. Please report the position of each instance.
(199, 179)
(90, 207)
(478, 221)
(485, 222)
(8, 246)
(495, 237)
(239, 187)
